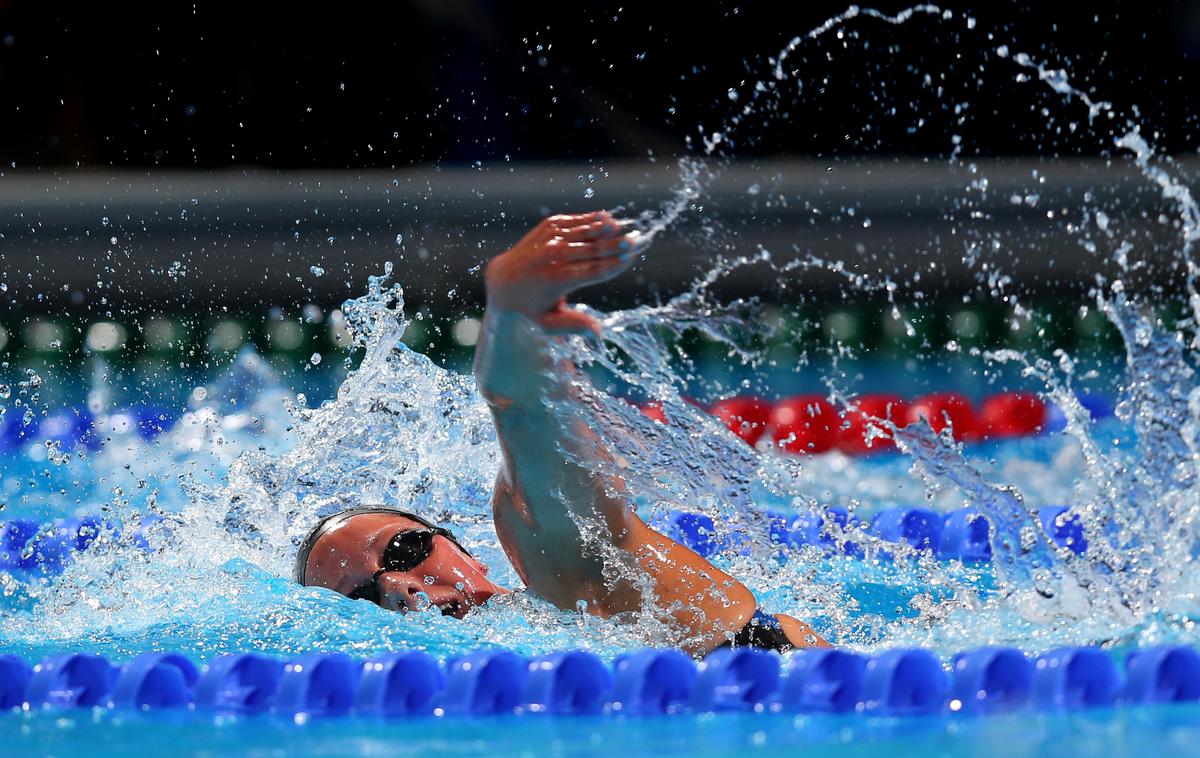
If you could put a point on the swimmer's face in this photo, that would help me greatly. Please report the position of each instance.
(346, 558)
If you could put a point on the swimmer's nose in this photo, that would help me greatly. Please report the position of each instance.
(399, 592)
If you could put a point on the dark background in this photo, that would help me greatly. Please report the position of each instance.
(257, 162)
(396, 84)
(211, 159)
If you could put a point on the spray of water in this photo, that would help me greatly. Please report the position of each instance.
(238, 485)
(1139, 505)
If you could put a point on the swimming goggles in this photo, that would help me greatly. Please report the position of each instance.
(404, 552)
(336, 520)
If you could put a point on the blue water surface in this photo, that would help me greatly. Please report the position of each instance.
(1160, 730)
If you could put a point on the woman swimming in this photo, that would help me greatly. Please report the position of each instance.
(547, 505)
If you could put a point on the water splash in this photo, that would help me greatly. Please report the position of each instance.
(404, 432)
(1129, 500)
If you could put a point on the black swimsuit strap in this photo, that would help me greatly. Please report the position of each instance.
(764, 632)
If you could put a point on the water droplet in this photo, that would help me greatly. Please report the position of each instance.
(315, 359)
(316, 271)
(589, 193)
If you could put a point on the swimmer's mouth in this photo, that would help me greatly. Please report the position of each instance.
(460, 608)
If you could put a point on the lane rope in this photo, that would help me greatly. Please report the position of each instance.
(892, 683)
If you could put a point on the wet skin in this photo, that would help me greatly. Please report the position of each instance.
(346, 557)
(544, 502)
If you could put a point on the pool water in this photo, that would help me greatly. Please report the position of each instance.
(215, 584)
(1168, 730)
(206, 515)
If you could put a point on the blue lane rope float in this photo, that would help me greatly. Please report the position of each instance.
(735, 680)
(70, 680)
(893, 683)
(961, 534)
(75, 428)
(652, 682)
(28, 546)
(823, 681)
(1004, 675)
(317, 685)
(15, 674)
(398, 684)
(1076, 677)
(239, 683)
(155, 680)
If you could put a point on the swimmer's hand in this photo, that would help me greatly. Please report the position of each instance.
(562, 254)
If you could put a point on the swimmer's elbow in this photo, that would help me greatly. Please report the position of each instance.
(495, 385)
(494, 396)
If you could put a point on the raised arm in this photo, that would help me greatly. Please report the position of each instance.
(546, 501)
(517, 373)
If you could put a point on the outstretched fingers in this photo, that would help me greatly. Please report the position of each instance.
(570, 224)
(601, 228)
(591, 270)
(581, 227)
(553, 227)
(608, 247)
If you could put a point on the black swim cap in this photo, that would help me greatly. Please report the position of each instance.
(339, 518)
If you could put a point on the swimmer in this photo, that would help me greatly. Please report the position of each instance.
(542, 496)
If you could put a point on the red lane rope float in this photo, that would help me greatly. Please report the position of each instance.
(1012, 414)
(944, 409)
(810, 424)
(806, 424)
(862, 433)
(747, 417)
